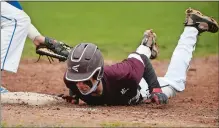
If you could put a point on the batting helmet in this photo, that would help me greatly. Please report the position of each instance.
(85, 61)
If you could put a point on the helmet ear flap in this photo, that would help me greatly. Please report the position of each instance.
(101, 73)
(98, 75)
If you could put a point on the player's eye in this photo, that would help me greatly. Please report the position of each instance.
(87, 82)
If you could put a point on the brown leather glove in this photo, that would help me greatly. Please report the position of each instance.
(53, 49)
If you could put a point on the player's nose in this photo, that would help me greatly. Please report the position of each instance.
(80, 84)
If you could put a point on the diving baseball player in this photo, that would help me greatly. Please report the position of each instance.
(133, 80)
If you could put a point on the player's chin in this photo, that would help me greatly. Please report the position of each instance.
(84, 91)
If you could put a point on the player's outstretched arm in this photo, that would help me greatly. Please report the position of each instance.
(48, 46)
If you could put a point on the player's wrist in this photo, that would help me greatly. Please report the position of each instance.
(39, 40)
(157, 90)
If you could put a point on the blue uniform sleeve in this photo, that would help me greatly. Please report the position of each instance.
(16, 4)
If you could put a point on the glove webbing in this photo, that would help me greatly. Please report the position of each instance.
(50, 55)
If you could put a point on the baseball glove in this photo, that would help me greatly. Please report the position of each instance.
(53, 49)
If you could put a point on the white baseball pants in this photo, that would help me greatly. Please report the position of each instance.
(14, 29)
(175, 77)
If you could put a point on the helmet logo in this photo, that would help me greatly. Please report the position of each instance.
(75, 67)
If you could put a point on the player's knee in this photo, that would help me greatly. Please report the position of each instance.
(177, 84)
(169, 91)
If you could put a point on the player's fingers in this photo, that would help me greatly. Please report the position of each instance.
(160, 98)
(163, 99)
(73, 101)
(156, 99)
(60, 95)
(147, 101)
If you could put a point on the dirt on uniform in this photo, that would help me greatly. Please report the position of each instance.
(196, 106)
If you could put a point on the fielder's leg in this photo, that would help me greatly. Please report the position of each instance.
(175, 78)
(14, 29)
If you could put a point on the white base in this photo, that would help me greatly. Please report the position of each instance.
(29, 98)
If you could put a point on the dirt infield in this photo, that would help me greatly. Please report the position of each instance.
(196, 106)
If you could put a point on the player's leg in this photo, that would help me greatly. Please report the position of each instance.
(149, 79)
(175, 77)
(14, 29)
(168, 90)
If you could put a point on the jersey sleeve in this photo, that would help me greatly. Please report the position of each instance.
(130, 69)
(16, 4)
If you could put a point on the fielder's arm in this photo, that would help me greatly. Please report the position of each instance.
(48, 46)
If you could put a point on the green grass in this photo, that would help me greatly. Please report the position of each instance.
(117, 124)
(112, 124)
(3, 124)
(117, 27)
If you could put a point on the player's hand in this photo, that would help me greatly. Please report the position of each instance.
(69, 99)
(158, 97)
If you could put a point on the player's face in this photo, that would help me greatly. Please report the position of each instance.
(85, 86)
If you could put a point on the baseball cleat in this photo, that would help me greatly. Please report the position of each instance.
(200, 21)
(149, 38)
(3, 90)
